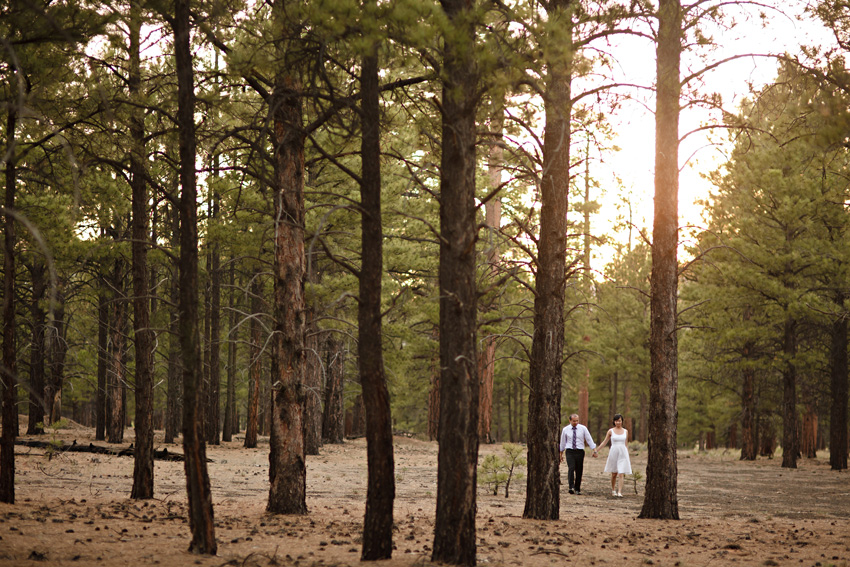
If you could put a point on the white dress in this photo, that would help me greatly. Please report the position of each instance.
(618, 456)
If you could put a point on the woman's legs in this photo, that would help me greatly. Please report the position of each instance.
(613, 483)
(620, 478)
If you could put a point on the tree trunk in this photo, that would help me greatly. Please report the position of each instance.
(511, 390)
(767, 438)
(143, 454)
(486, 379)
(615, 384)
(57, 348)
(628, 422)
(457, 460)
(194, 449)
(266, 399)
(790, 445)
(333, 421)
(749, 441)
(661, 499)
(312, 388)
(434, 402)
(116, 378)
(314, 371)
(102, 357)
(205, 349)
(809, 436)
(587, 283)
(287, 466)
(254, 366)
(732, 439)
(174, 395)
(355, 418)
(8, 370)
(520, 407)
(542, 500)
(380, 492)
(38, 349)
(838, 389)
(748, 409)
(584, 400)
(213, 424)
(493, 220)
(230, 396)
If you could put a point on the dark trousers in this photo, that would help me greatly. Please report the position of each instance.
(575, 462)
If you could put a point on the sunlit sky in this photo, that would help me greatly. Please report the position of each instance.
(700, 153)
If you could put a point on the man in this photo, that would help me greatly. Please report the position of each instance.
(573, 439)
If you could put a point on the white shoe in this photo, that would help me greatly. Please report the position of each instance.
(613, 493)
(619, 495)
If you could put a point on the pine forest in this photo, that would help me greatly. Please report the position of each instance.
(297, 224)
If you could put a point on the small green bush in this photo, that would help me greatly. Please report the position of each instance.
(497, 470)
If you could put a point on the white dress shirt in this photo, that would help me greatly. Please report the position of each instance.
(582, 438)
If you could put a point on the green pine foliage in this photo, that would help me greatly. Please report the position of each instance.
(775, 244)
(496, 471)
(775, 250)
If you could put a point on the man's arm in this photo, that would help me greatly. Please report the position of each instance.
(589, 439)
(562, 445)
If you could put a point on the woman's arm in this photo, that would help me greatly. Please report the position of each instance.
(607, 437)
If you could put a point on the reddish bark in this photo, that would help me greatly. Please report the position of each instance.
(486, 377)
(809, 436)
(287, 466)
(493, 221)
(710, 440)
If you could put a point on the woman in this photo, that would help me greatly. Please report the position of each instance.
(618, 463)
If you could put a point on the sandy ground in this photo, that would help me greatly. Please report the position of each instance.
(74, 509)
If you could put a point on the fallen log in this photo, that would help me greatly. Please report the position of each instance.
(74, 447)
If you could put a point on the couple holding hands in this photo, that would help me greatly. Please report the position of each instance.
(575, 436)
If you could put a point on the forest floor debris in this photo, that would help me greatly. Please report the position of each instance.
(74, 510)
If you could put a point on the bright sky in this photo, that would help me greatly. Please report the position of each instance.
(635, 127)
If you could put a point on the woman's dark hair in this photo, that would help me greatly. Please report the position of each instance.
(616, 417)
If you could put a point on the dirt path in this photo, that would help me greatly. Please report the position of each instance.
(74, 510)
